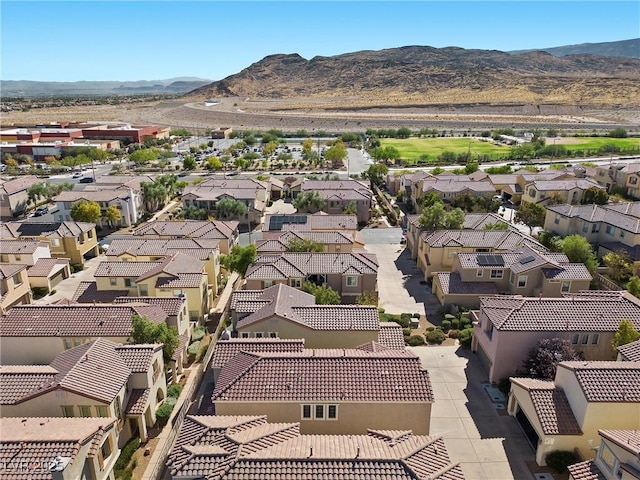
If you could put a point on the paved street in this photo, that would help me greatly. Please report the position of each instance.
(488, 443)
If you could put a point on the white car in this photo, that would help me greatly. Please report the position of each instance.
(77, 175)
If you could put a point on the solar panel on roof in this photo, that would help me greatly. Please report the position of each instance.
(528, 259)
(490, 260)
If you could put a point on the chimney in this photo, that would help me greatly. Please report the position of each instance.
(57, 467)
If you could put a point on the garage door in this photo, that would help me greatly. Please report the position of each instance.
(484, 359)
(57, 278)
(528, 429)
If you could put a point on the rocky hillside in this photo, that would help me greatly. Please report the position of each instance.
(622, 48)
(439, 75)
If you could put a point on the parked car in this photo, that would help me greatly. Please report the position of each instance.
(86, 180)
(76, 175)
(41, 211)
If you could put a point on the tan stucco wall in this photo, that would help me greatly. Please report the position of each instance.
(353, 418)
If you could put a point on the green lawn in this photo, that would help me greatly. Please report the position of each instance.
(594, 143)
(412, 148)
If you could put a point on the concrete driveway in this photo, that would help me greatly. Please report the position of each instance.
(66, 288)
(487, 442)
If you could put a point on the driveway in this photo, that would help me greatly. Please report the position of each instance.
(66, 288)
(487, 442)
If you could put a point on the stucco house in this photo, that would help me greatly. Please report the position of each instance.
(332, 391)
(350, 274)
(128, 202)
(284, 312)
(13, 195)
(58, 448)
(338, 195)
(623, 176)
(448, 188)
(75, 241)
(14, 286)
(629, 352)
(524, 271)
(275, 224)
(506, 328)
(333, 242)
(249, 447)
(225, 232)
(97, 379)
(569, 190)
(618, 458)
(566, 413)
(43, 271)
(36, 334)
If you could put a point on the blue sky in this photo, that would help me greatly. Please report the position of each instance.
(122, 40)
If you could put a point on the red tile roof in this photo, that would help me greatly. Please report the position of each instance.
(627, 439)
(138, 357)
(33, 442)
(288, 265)
(607, 381)
(189, 228)
(317, 221)
(390, 335)
(46, 266)
(451, 283)
(141, 246)
(630, 351)
(19, 246)
(172, 306)
(585, 471)
(227, 349)
(248, 447)
(551, 406)
(138, 401)
(495, 239)
(74, 320)
(8, 270)
(324, 375)
(18, 381)
(591, 311)
(44, 229)
(18, 184)
(87, 292)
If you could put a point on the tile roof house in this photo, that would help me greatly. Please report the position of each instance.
(507, 327)
(330, 391)
(38, 448)
(97, 379)
(629, 352)
(240, 447)
(128, 201)
(611, 227)
(174, 275)
(225, 232)
(350, 274)
(275, 224)
(565, 413)
(338, 195)
(523, 271)
(625, 176)
(570, 190)
(512, 186)
(284, 312)
(13, 195)
(333, 242)
(32, 334)
(254, 194)
(618, 458)
(14, 286)
(72, 240)
(438, 250)
(449, 187)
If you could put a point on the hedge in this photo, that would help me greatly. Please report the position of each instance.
(415, 340)
(174, 390)
(126, 453)
(559, 460)
(436, 336)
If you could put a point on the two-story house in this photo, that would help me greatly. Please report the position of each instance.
(250, 447)
(14, 198)
(611, 228)
(524, 271)
(339, 195)
(506, 328)
(275, 224)
(225, 232)
(331, 391)
(332, 242)
(350, 274)
(284, 312)
(620, 176)
(36, 334)
(43, 271)
(58, 448)
(14, 286)
(568, 191)
(618, 458)
(629, 352)
(97, 379)
(71, 240)
(128, 202)
(566, 413)
(449, 187)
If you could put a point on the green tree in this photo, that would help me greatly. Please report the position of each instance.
(307, 145)
(595, 195)
(633, 286)
(325, 295)
(230, 208)
(36, 191)
(270, 148)
(496, 226)
(620, 266)
(531, 214)
(239, 259)
(142, 156)
(471, 167)
(189, 163)
(367, 298)
(579, 250)
(384, 154)
(113, 215)
(377, 173)
(304, 245)
(85, 211)
(454, 219)
(350, 209)
(618, 133)
(626, 333)
(336, 153)
(310, 201)
(194, 213)
(403, 132)
(435, 217)
(145, 331)
(154, 194)
(214, 163)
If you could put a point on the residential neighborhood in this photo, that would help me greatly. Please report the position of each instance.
(225, 323)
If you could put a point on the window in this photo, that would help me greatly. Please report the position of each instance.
(55, 242)
(258, 334)
(332, 412)
(90, 234)
(102, 411)
(610, 230)
(479, 272)
(106, 448)
(566, 285)
(127, 282)
(144, 291)
(295, 282)
(85, 411)
(585, 339)
(306, 412)
(522, 281)
(68, 343)
(267, 283)
(595, 338)
(496, 273)
(557, 219)
(113, 281)
(244, 334)
(118, 407)
(621, 233)
(532, 193)
(607, 457)
(273, 334)
(482, 250)
(575, 339)
(585, 227)
(512, 278)
(595, 228)
(18, 257)
(352, 281)
(633, 180)
(67, 411)
(16, 280)
(319, 412)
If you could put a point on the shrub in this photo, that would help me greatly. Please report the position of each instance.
(465, 322)
(504, 385)
(416, 315)
(415, 340)
(446, 325)
(164, 412)
(430, 328)
(76, 267)
(406, 332)
(126, 453)
(436, 336)
(559, 460)
(39, 292)
(198, 333)
(448, 316)
(174, 390)
(465, 337)
(455, 323)
(405, 316)
(193, 348)
(454, 333)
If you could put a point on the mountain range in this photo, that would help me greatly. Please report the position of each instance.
(622, 48)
